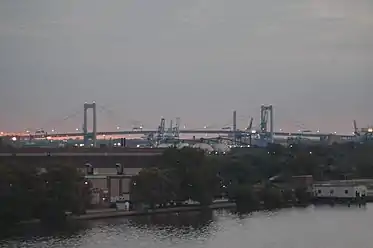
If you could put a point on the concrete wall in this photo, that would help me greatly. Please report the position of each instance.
(133, 161)
(115, 190)
(100, 183)
(126, 171)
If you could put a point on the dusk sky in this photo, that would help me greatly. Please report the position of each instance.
(194, 59)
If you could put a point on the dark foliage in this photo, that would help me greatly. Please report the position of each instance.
(243, 175)
(29, 192)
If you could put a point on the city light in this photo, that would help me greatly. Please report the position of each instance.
(120, 131)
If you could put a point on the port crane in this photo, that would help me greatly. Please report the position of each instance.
(364, 134)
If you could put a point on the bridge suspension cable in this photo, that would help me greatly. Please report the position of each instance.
(119, 124)
(55, 125)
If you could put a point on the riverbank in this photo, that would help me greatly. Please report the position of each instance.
(113, 213)
(211, 229)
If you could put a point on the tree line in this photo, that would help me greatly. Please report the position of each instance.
(244, 175)
(44, 192)
(47, 192)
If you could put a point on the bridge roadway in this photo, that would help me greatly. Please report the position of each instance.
(283, 134)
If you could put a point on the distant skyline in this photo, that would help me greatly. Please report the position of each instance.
(196, 59)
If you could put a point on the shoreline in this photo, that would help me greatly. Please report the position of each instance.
(108, 213)
(113, 213)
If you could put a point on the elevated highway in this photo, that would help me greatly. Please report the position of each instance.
(102, 159)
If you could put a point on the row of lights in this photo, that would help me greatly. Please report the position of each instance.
(370, 130)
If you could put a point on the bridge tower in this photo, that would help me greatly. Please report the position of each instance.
(90, 135)
(234, 127)
(266, 126)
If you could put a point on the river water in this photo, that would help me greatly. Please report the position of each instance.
(311, 227)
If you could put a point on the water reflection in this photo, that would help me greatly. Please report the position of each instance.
(30, 231)
(196, 219)
(162, 226)
(312, 227)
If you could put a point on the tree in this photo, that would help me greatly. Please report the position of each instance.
(189, 174)
(272, 197)
(64, 190)
(152, 186)
(19, 187)
(181, 175)
(27, 192)
(205, 183)
(192, 174)
(245, 197)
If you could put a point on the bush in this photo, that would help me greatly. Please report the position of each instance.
(244, 196)
(302, 195)
(272, 198)
(27, 193)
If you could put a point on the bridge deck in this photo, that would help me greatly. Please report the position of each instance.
(220, 132)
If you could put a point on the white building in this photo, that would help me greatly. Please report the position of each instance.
(339, 191)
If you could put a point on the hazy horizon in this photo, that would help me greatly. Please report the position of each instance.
(196, 59)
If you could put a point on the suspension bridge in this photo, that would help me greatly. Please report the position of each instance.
(265, 129)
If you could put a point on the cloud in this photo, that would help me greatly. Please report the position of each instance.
(203, 13)
(358, 10)
(207, 55)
